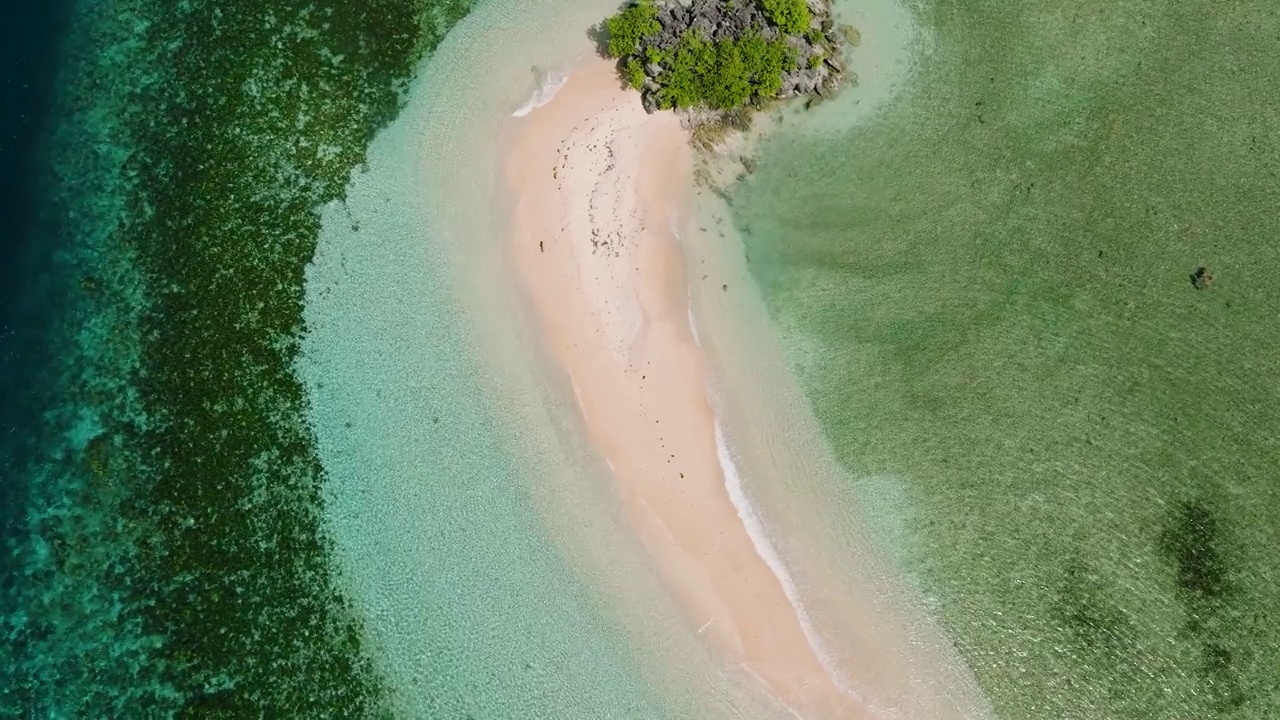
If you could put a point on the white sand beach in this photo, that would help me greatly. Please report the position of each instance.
(601, 190)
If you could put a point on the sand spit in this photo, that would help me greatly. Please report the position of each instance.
(597, 183)
(601, 196)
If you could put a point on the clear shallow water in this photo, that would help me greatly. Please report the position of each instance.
(27, 45)
(472, 609)
(475, 531)
(985, 288)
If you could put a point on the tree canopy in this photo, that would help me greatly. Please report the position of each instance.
(685, 68)
(630, 26)
(791, 16)
(723, 74)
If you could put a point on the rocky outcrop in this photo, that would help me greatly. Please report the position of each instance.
(712, 19)
(1202, 279)
(819, 70)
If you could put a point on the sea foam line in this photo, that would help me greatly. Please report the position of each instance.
(693, 323)
(764, 548)
(674, 226)
(547, 90)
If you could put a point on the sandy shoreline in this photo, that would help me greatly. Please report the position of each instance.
(600, 191)
(496, 543)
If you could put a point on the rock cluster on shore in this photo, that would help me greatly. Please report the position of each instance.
(819, 68)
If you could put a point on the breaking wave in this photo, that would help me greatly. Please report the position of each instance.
(547, 89)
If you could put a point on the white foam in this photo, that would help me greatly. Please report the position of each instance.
(547, 89)
(693, 325)
(674, 226)
(764, 548)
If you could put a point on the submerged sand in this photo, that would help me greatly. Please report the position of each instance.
(602, 194)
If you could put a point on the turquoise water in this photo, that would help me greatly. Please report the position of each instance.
(169, 554)
(985, 287)
(473, 610)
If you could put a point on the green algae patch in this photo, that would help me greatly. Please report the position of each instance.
(991, 291)
(266, 109)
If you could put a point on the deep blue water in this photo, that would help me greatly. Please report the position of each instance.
(30, 34)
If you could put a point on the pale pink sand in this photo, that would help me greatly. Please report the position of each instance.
(599, 189)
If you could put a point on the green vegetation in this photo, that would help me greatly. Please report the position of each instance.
(724, 74)
(628, 27)
(634, 72)
(791, 16)
(684, 67)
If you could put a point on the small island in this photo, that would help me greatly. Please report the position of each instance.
(727, 56)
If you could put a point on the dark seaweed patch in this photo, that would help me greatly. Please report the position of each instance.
(251, 115)
(1191, 540)
(232, 167)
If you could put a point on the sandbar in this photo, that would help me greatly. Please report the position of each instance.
(600, 192)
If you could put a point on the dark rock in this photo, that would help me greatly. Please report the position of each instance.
(803, 81)
(671, 16)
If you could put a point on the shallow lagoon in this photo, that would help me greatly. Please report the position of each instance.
(986, 288)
